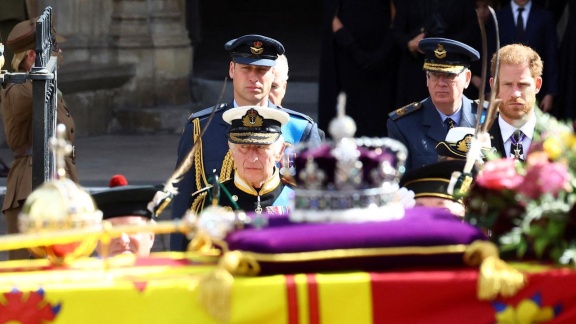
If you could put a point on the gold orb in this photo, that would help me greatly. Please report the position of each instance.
(55, 206)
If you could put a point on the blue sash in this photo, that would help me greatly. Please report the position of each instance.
(294, 129)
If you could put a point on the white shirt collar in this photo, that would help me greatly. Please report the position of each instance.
(515, 7)
(455, 116)
(236, 104)
(528, 128)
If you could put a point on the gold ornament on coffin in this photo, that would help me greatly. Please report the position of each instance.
(59, 204)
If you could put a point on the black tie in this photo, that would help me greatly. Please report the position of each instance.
(516, 145)
(450, 122)
(520, 22)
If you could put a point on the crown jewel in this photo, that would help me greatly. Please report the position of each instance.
(347, 174)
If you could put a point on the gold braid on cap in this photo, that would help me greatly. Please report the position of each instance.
(227, 167)
(198, 160)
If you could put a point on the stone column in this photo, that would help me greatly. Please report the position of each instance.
(150, 35)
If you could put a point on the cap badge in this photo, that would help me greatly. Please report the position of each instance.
(464, 144)
(440, 52)
(252, 119)
(257, 48)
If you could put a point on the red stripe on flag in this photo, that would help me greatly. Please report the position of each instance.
(292, 295)
(313, 299)
(378, 299)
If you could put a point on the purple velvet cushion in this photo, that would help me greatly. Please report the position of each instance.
(420, 227)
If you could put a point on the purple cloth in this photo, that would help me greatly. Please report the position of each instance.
(420, 226)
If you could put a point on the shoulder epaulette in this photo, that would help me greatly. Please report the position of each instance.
(296, 113)
(205, 112)
(404, 110)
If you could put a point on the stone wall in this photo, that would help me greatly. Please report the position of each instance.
(123, 57)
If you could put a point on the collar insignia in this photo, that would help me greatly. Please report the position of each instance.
(440, 52)
(252, 119)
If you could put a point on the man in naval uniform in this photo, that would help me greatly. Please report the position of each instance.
(251, 68)
(420, 126)
(256, 144)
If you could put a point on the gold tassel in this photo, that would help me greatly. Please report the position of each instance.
(215, 293)
(215, 289)
(495, 276)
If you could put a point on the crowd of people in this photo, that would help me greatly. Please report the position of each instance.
(360, 51)
(406, 72)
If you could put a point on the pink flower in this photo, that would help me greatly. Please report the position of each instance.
(499, 174)
(545, 178)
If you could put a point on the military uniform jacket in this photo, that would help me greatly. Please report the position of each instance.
(17, 117)
(214, 155)
(274, 199)
(419, 127)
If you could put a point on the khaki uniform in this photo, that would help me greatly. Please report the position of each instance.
(17, 117)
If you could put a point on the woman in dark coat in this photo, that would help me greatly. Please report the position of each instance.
(357, 58)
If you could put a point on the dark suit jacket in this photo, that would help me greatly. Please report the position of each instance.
(357, 60)
(422, 129)
(460, 24)
(496, 139)
(539, 34)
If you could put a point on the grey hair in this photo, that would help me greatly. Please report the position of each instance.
(282, 66)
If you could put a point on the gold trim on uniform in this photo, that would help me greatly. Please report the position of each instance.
(198, 203)
(198, 160)
(426, 180)
(249, 138)
(445, 68)
(227, 167)
(435, 194)
(268, 186)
